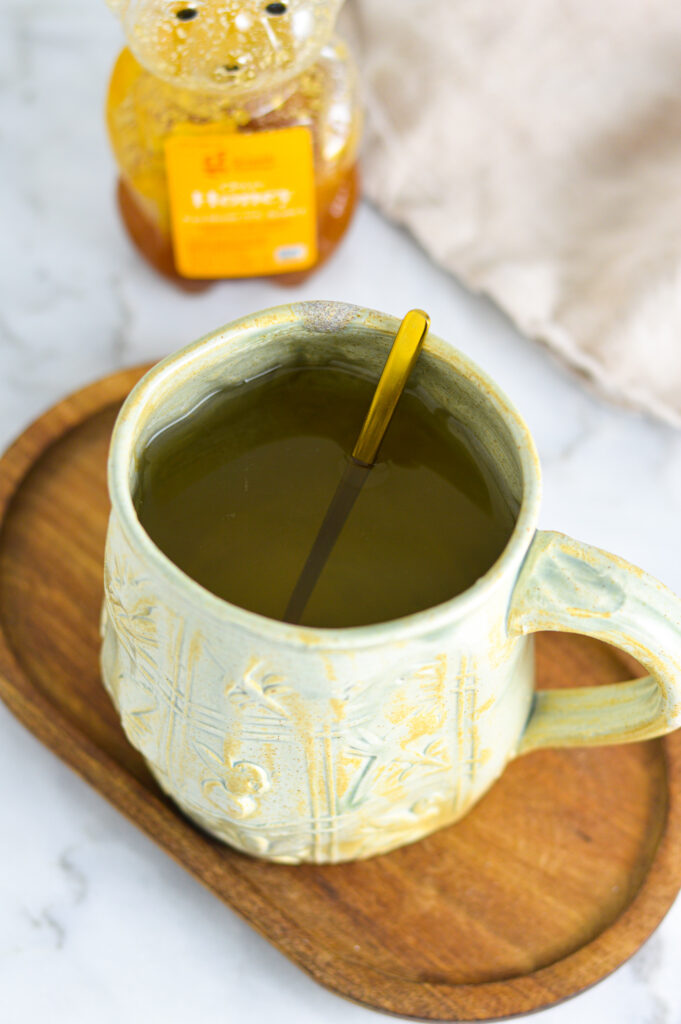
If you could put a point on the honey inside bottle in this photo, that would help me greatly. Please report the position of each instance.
(226, 70)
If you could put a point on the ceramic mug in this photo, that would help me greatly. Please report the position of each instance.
(302, 744)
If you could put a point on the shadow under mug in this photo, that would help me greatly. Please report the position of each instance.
(301, 744)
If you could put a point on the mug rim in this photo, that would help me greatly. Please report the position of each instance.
(136, 409)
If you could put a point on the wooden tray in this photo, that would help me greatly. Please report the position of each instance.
(551, 882)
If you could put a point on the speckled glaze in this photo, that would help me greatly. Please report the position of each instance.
(324, 745)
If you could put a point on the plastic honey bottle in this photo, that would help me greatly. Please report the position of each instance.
(235, 126)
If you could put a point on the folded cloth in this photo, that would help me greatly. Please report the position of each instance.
(534, 149)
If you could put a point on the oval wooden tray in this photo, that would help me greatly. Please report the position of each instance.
(551, 882)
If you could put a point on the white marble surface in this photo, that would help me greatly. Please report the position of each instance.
(97, 926)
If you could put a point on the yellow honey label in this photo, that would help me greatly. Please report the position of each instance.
(242, 205)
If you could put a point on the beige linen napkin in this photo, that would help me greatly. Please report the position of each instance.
(534, 149)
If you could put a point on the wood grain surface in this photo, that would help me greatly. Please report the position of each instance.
(551, 882)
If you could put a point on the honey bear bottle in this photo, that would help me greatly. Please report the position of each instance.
(235, 126)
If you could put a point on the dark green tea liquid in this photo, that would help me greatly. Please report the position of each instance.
(235, 493)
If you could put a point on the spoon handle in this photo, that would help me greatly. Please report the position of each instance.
(398, 366)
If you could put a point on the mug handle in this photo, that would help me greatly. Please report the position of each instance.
(570, 586)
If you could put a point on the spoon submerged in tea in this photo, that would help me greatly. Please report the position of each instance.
(398, 366)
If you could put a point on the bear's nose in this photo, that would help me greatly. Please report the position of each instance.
(234, 66)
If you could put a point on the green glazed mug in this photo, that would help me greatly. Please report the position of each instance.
(301, 744)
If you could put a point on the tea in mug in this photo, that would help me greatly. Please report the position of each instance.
(235, 492)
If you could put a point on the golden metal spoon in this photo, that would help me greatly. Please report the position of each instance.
(398, 366)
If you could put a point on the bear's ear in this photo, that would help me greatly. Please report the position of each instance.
(118, 6)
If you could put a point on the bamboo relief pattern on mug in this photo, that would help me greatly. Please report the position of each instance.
(231, 783)
(131, 652)
(365, 763)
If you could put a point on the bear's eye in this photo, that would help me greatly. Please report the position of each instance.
(276, 8)
(186, 13)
